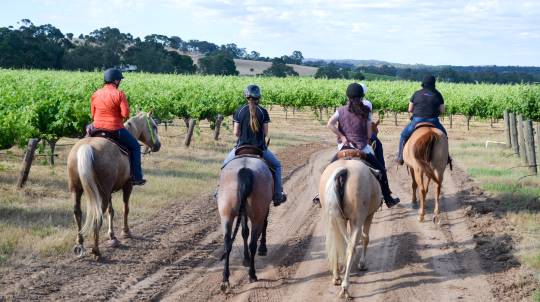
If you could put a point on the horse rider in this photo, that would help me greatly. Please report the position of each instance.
(426, 105)
(110, 110)
(251, 128)
(352, 125)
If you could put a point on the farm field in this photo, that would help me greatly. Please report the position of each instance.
(476, 255)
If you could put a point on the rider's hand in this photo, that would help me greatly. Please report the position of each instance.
(344, 141)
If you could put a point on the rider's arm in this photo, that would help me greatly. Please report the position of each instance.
(124, 107)
(332, 125)
(411, 107)
(265, 129)
(369, 130)
(236, 129)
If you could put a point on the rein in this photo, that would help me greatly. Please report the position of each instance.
(152, 138)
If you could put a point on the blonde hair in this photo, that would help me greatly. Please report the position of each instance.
(253, 121)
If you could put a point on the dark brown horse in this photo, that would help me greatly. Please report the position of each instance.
(97, 167)
(426, 155)
(245, 192)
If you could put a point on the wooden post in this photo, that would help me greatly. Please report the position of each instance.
(191, 127)
(507, 130)
(451, 124)
(521, 139)
(395, 118)
(513, 133)
(538, 145)
(219, 119)
(27, 162)
(186, 122)
(529, 146)
(468, 122)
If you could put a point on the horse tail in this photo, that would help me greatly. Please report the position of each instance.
(245, 187)
(85, 160)
(422, 152)
(336, 224)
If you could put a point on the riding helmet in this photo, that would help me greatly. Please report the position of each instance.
(428, 81)
(252, 91)
(112, 74)
(355, 90)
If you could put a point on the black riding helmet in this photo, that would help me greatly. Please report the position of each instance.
(252, 91)
(428, 81)
(112, 74)
(355, 90)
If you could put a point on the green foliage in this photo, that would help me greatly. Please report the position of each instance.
(279, 69)
(220, 63)
(54, 104)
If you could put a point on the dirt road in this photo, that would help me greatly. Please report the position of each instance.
(175, 257)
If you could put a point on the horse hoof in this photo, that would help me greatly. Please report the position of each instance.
(421, 218)
(263, 251)
(224, 286)
(437, 220)
(78, 250)
(345, 294)
(362, 267)
(126, 234)
(113, 242)
(253, 279)
(337, 281)
(245, 262)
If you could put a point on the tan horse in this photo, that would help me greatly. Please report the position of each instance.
(349, 193)
(426, 155)
(97, 167)
(245, 191)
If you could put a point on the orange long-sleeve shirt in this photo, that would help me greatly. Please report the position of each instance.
(109, 108)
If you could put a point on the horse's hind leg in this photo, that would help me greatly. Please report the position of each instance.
(126, 193)
(227, 229)
(263, 250)
(245, 236)
(113, 242)
(255, 233)
(365, 241)
(350, 254)
(436, 211)
(76, 194)
(414, 188)
(423, 194)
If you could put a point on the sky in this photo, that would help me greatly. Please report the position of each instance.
(445, 32)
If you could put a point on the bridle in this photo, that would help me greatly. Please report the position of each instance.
(152, 137)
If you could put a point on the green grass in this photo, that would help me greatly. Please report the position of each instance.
(377, 77)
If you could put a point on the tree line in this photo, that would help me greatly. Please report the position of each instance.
(46, 47)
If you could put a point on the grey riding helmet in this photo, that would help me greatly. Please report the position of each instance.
(252, 91)
(112, 74)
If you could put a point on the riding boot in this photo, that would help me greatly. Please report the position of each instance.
(399, 158)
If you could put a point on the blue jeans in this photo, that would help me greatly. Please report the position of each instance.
(272, 159)
(409, 129)
(131, 142)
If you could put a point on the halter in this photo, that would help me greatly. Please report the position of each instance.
(152, 139)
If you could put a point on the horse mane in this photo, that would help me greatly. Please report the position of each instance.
(422, 152)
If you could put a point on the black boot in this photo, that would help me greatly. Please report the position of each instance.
(279, 199)
(391, 201)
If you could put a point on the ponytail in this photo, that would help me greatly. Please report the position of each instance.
(357, 107)
(253, 121)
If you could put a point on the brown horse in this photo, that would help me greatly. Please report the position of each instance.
(245, 191)
(97, 167)
(349, 193)
(426, 155)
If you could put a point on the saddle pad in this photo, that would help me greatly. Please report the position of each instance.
(248, 150)
(111, 137)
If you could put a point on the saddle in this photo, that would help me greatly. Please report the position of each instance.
(253, 152)
(112, 136)
(424, 124)
(348, 153)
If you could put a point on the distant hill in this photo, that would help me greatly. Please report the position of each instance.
(250, 67)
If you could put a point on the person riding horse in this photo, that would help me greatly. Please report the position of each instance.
(426, 105)
(251, 127)
(352, 126)
(110, 109)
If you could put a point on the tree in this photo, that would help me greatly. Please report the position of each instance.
(255, 56)
(279, 69)
(152, 57)
(297, 57)
(221, 63)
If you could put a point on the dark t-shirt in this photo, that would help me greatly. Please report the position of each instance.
(426, 103)
(247, 137)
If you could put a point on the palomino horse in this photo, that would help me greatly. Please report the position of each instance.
(426, 155)
(245, 191)
(97, 167)
(349, 193)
